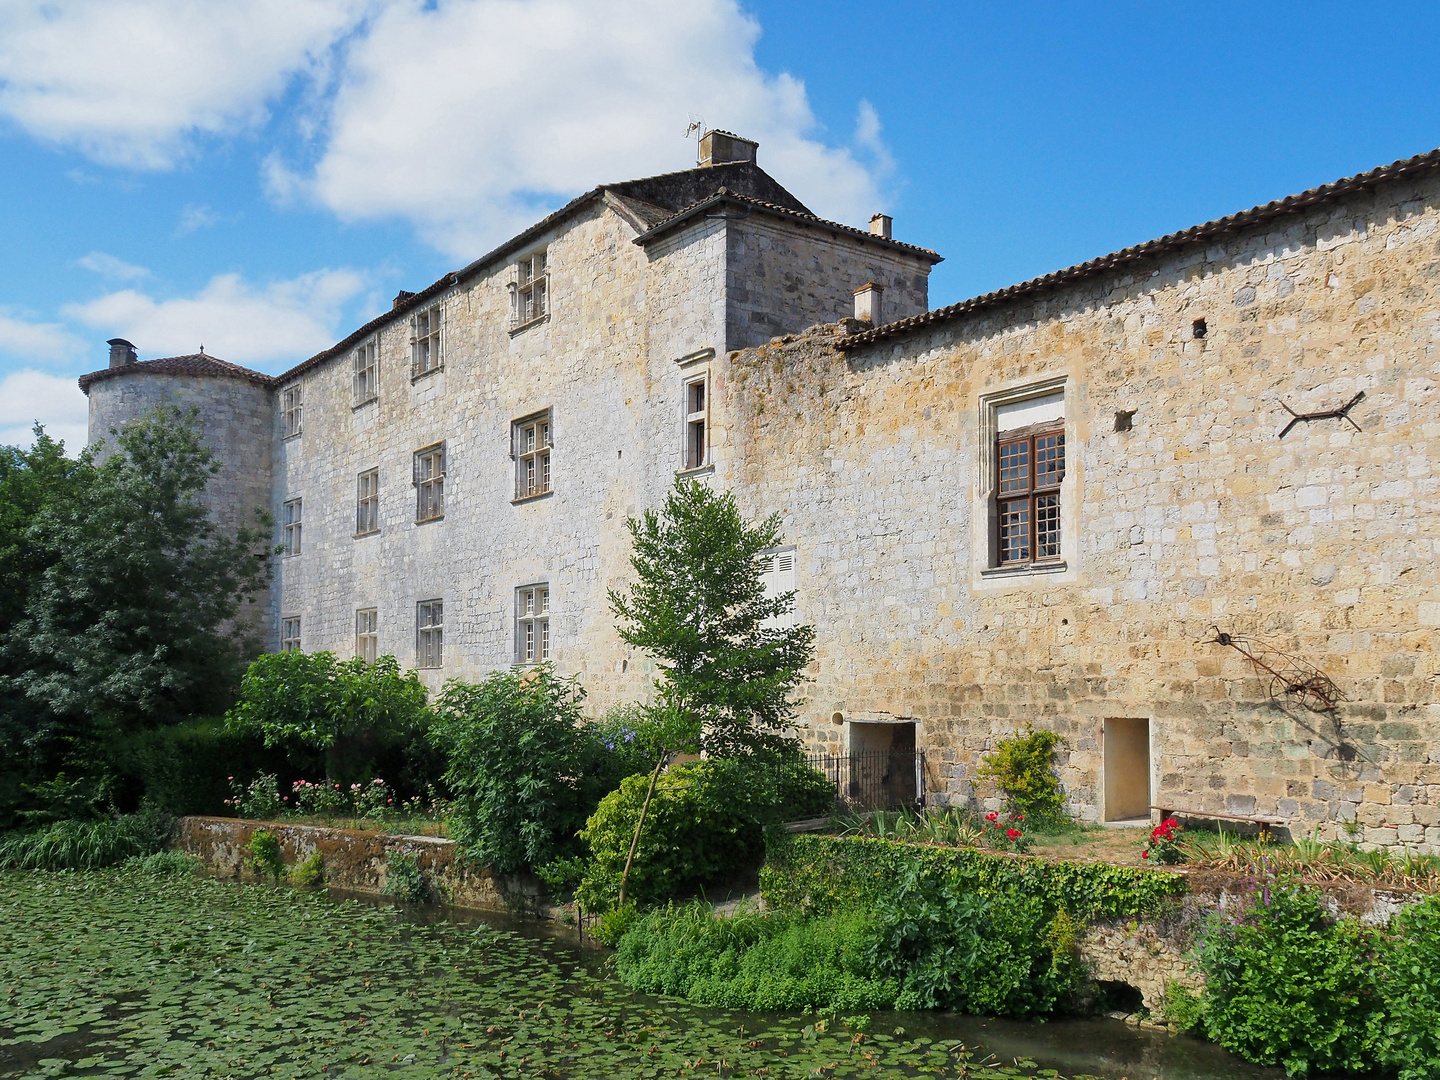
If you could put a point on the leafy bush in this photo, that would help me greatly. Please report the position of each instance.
(1022, 768)
(950, 949)
(162, 863)
(353, 710)
(1409, 976)
(310, 873)
(517, 746)
(86, 845)
(264, 855)
(404, 879)
(1183, 1007)
(820, 874)
(1287, 985)
(704, 824)
(258, 800)
(754, 961)
(1165, 843)
(186, 768)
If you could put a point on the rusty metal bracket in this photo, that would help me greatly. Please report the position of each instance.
(1342, 413)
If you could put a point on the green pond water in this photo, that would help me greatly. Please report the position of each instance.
(126, 974)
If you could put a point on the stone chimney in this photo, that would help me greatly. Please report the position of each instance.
(722, 148)
(400, 298)
(867, 302)
(121, 352)
(880, 225)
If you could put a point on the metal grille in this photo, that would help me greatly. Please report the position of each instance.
(875, 779)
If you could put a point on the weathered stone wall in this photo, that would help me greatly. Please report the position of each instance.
(1199, 517)
(783, 276)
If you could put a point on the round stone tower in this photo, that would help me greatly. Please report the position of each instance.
(236, 415)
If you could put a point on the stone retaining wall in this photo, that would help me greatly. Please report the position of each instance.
(358, 861)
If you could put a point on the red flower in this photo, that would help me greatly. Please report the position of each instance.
(1014, 834)
(992, 816)
(1144, 854)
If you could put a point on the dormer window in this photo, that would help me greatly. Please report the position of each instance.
(529, 292)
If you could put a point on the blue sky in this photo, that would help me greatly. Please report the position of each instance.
(262, 176)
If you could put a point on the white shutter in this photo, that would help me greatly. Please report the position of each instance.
(778, 575)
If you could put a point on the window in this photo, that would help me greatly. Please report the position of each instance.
(532, 455)
(1032, 465)
(367, 372)
(697, 428)
(778, 575)
(430, 483)
(429, 633)
(528, 298)
(366, 637)
(367, 503)
(532, 624)
(290, 634)
(290, 516)
(292, 410)
(425, 352)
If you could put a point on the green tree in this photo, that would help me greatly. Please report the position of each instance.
(350, 709)
(698, 605)
(131, 622)
(30, 481)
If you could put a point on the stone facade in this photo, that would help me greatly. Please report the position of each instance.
(1183, 514)
(1196, 519)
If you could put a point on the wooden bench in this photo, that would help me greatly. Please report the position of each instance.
(1213, 815)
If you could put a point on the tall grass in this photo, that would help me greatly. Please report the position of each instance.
(1313, 859)
(85, 845)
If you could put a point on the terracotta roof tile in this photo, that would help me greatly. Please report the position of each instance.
(190, 364)
(1325, 193)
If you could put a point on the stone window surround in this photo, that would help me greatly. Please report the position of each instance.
(365, 380)
(367, 502)
(427, 340)
(695, 367)
(367, 637)
(292, 513)
(430, 634)
(290, 633)
(523, 293)
(542, 456)
(985, 516)
(292, 410)
(533, 644)
(430, 488)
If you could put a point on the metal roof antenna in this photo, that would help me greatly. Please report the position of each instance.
(695, 131)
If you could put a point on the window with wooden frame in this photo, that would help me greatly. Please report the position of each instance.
(1031, 464)
(367, 372)
(367, 502)
(430, 483)
(430, 634)
(292, 410)
(529, 292)
(290, 634)
(367, 637)
(291, 526)
(532, 441)
(532, 624)
(426, 353)
(697, 421)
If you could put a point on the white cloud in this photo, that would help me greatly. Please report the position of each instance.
(31, 341)
(108, 266)
(279, 323)
(194, 217)
(58, 403)
(472, 118)
(130, 82)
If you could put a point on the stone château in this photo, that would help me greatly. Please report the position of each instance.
(1077, 503)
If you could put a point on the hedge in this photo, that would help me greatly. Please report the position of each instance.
(820, 874)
